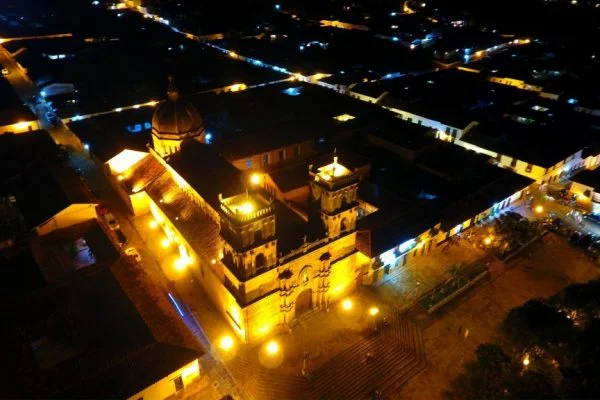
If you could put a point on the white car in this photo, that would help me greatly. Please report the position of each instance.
(111, 221)
(5, 72)
(131, 251)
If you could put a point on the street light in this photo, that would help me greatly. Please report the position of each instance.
(374, 311)
(153, 224)
(166, 242)
(487, 241)
(255, 179)
(526, 360)
(272, 347)
(347, 304)
(226, 343)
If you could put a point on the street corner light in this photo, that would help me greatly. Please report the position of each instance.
(347, 304)
(539, 209)
(180, 264)
(226, 343)
(373, 311)
(272, 347)
(255, 179)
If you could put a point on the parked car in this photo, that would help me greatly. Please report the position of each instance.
(594, 248)
(111, 221)
(586, 240)
(131, 251)
(575, 237)
(593, 218)
(121, 237)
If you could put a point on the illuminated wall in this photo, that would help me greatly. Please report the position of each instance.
(72, 215)
(166, 386)
(125, 160)
(21, 127)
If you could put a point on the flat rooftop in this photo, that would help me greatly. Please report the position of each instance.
(523, 132)
(451, 96)
(311, 50)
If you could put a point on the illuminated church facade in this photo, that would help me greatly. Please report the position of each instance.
(261, 262)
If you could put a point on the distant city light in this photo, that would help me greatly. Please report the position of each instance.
(86, 146)
(95, 2)
(301, 47)
(277, 6)
(373, 311)
(393, 14)
(395, 39)
(208, 138)
(43, 93)
(539, 209)
(118, 109)
(572, 101)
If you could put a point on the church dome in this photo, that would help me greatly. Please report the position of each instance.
(177, 119)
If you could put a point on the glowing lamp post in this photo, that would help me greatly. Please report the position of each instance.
(226, 343)
(272, 347)
(373, 311)
(539, 209)
(347, 304)
(255, 179)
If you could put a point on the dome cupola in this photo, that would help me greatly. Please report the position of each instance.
(174, 121)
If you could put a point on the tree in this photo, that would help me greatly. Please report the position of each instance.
(457, 274)
(537, 324)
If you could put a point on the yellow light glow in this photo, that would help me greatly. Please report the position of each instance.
(344, 117)
(213, 261)
(526, 360)
(373, 311)
(120, 178)
(152, 103)
(232, 54)
(238, 87)
(180, 264)
(347, 304)
(255, 179)
(487, 241)
(21, 125)
(190, 370)
(125, 160)
(166, 242)
(420, 245)
(226, 343)
(539, 209)
(272, 347)
(153, 224)
(246, 208)
(479, 53)
(2, 41)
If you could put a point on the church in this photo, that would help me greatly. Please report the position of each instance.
(262, 262)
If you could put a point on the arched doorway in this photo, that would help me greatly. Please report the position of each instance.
(260, 260)
(303, 302)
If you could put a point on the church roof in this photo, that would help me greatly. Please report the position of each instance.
(207, 172)
(176, 118)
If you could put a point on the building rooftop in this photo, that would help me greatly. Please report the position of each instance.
(451, 97)
(520, 133)
(207, 172)
(588, 177)
(86, 328)
(12, 109)
(56, 184)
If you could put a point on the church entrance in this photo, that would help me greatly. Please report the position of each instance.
(304, 302)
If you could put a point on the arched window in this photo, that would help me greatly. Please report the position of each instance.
(260, 260)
